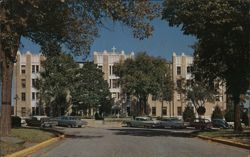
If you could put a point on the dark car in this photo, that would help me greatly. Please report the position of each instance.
(220, 123)
(36, 121)
(200, 123)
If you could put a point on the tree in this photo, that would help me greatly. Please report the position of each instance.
(188, 113)
(91, 89)
(142, 76)
(55, 83)
(217, 113)
(65, 23)
(222, 51)
(199, 94)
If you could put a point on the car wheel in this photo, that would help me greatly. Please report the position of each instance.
(129, 125)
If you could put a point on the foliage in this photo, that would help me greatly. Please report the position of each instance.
(142, 76)
(90, 90)
(56, 83)
(199, 94)
(222, 51)
(15, 121)
(188, 114)
(245, 118)
(217, 113)
(70, 24)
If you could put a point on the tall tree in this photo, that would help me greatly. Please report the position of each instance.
(222, 29)
(56, 82)
(142, 76)
(72, 24)
(90, 90)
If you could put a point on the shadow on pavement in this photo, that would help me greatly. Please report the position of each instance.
(149, 133)
(82, 136)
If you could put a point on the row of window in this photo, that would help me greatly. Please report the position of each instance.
(164, 111)
(35, 96)
(189, 70)
(23, 83)
(35, 69)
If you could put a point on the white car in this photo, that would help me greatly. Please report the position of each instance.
(146, 122)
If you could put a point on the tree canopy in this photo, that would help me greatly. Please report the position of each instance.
(144, 75)
(71, 24)
(222, 50)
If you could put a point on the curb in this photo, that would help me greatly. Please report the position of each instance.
(231, 143)
(34, 148)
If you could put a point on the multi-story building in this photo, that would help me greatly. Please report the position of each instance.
(105, 61)
(182, 68)
(26, 73)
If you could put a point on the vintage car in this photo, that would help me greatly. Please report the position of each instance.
(200, 123)
(71, 121)
(146, 122)
(172, 122)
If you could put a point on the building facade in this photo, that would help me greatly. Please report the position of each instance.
(105, 60)
(26, 73)
(182, 68)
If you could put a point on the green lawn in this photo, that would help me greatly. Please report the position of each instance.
(30, 136)
(242, 137)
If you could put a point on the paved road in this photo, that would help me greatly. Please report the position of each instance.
(133, 142)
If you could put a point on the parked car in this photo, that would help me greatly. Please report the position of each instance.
(220, 123)
(49, 122)
(172, 123)
(71, 121)
(200, 123)
(146, 122)
(36, 121)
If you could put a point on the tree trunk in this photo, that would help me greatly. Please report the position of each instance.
(237, 123)
(7, 72)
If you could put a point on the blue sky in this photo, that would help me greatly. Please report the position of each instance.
(164, 42)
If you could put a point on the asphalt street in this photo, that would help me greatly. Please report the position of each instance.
(135, 142)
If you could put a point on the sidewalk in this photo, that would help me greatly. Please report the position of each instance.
(228, 137)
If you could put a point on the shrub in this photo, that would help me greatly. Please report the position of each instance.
(188, 114)
(98, 117)
(245, 119)
(217, 113)
(201, 110)
(229, 116)
(15, 121)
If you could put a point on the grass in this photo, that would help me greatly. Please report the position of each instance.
(242, 137)
(30, 136)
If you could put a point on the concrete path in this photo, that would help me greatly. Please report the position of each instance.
(135, 142)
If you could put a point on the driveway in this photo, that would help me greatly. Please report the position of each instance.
(135, 142)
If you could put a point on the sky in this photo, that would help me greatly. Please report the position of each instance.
(164, 42)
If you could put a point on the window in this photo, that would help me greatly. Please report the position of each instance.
(118, 95)
(179, 111)
(33, 96)
(23, 82)
(115, 83)
(34, 81)
(189, 83)
(113, 95)
(23, 96)
(33, 111)
(178, 83)
(153, 111)
(23, 111)
(154, 97)
(23, 69)
(217, 98)
(33, 68)
(37, 68)
(164, 111)
(37, 95)
(178, 70)
(189, 69)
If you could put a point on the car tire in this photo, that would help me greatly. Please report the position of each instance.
(129, 125)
